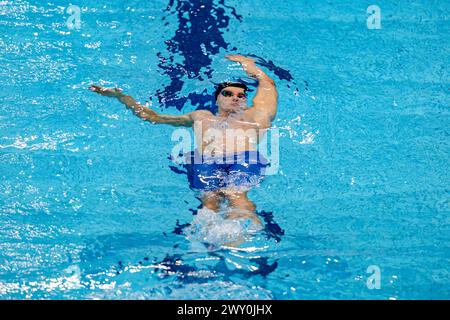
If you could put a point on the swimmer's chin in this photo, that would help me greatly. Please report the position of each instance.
(234, 108)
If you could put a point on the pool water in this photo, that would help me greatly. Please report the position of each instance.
(92, 207)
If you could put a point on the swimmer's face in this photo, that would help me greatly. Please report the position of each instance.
(232, 99)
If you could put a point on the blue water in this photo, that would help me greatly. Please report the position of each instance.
(91, 206)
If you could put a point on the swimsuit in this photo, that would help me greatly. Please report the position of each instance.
(239, 171)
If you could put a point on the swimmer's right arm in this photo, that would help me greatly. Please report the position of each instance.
(185, 120)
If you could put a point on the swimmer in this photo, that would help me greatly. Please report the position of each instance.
(223, 176)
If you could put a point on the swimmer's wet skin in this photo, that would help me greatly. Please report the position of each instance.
(222, 183)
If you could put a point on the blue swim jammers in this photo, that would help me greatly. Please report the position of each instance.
(239, 171)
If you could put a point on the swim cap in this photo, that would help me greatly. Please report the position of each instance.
(224, 85)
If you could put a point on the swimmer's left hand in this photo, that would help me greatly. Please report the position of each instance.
(107, 92)
(239, 58)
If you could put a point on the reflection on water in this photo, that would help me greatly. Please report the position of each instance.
(87, 203)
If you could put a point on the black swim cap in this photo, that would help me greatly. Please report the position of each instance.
(224, 85)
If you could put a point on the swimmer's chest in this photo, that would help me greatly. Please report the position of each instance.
(238, 122)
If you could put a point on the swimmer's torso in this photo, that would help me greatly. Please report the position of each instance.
(235, 133)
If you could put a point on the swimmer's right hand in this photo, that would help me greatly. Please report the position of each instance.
(107, 92)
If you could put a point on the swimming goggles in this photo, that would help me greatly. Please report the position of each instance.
(228, 93)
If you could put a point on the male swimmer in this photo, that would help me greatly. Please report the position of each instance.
(224, 174)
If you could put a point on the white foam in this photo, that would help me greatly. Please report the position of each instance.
(211, 227)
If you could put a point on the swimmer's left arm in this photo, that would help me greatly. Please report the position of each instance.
(184, 120)
(139, 110)
(266, 97)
